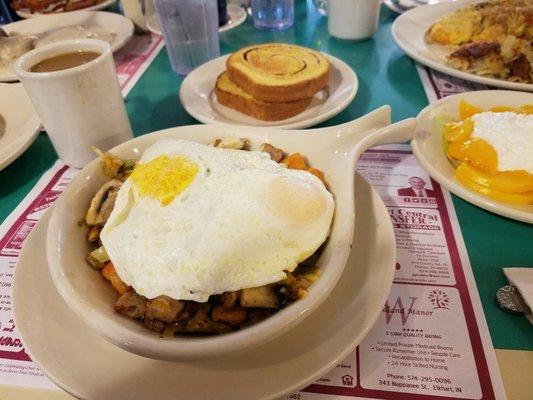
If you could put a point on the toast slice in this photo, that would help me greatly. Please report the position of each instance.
(277, 72)
(231, 95)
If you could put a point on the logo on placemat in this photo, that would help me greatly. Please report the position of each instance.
(439, 299)
(347, 380)
(405, 309)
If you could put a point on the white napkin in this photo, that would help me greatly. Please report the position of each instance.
(522, 279)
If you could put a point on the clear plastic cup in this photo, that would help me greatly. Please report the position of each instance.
(273, 14)
(190, 30)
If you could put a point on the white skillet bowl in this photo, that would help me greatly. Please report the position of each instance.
(428, 147)
(334, 150)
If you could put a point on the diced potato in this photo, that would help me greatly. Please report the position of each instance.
(231, 316)
(296, 161)
(294, 286)
(109, 273)
(93, 262)
(202, 323)
(131, 305)
(164, 308)
(275, 153)
(229, 299)
(260, 297)
(154, 325)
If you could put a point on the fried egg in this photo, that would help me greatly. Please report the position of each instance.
(192, 221)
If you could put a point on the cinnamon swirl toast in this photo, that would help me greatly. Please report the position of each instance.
(231, 95)
(276, 72)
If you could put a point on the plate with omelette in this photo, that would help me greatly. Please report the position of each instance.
(488, 42)
(271, 84)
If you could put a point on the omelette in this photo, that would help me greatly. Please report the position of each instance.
(492, 38)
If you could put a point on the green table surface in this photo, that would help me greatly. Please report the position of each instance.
(386, 76)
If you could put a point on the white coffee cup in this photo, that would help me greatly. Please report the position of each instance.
(139, 11)
(81, 106)
(353, 19)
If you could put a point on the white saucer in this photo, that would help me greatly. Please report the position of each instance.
(88, 366)
(198, 97)
(21, 122)
(236, 16)
(101, 6)
(120, 26)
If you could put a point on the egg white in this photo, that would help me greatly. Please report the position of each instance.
(241, 223)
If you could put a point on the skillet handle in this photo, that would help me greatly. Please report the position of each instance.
(396, 133)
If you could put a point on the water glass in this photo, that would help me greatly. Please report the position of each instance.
(190, 30)
(321, 6)
(273, 14)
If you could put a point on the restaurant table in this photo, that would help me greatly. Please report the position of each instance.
(386, 76)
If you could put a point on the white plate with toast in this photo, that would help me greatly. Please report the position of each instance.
(197, 94)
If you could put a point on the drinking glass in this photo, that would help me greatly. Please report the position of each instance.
(273, 14)
(321, 6)
(190, 31)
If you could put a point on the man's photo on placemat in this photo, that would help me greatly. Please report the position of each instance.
(416, 188)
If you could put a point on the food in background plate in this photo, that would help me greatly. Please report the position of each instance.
(12, 47)
(52, 6)
(492, 151)
(272, 81)
(15, 45)
(74, 32)
(492, 38)
(208, 239)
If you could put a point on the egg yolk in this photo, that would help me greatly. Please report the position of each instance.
(163, 178)
(476, 161)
